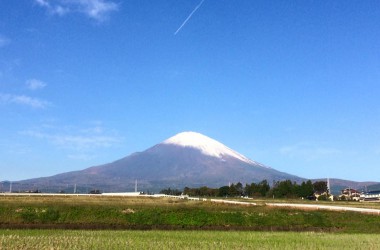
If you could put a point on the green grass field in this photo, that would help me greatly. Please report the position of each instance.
(48, 223)
(99, 212)
(156, 213)
(69, 239)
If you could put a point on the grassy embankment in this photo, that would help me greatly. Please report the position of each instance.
(152, 213)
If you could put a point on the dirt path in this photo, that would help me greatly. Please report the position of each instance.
(326, 207)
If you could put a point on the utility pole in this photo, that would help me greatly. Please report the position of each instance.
(328, 185)
(136, 186)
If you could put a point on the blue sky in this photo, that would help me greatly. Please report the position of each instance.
(292, 84)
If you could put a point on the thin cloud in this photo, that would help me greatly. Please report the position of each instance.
(98, 9)
(80, 142)
(54, 9)
(44, 3)
(84, 142)
(23, 100)
(95, 9)
(4, 41)
(34, 84)
(308, 152)
(81, 157)
(188, 18)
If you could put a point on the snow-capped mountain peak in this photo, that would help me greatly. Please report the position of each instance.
(206, 145)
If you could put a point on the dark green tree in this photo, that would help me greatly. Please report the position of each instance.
(257, 189)
(224, 191)
(170, 191)
(233, 191)
(306, 189)
(284, 189)
(320, 187)
(263, 187)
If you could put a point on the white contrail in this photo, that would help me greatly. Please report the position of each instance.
(187, 19)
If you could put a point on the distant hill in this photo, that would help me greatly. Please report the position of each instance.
(337, 185)
(373, 187)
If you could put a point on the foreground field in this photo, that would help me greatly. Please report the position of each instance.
(71, 239)
(161, 213)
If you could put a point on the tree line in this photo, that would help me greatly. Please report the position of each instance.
(279, 189)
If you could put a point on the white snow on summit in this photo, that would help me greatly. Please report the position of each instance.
(206, 145)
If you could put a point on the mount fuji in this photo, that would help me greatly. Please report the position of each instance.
(186, 159)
